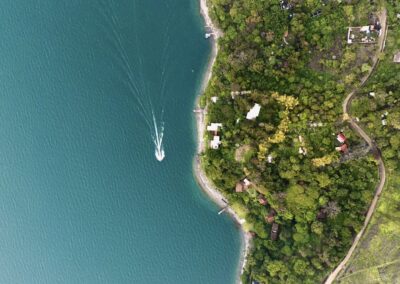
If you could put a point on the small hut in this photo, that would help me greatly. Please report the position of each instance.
(269, 219)
(239, 187)
(343, 148)
(396, 57)
(302, 151)
(242, 185)
(262, 200)
(377, 26)
(341, 137)
(246, 182)
(274, 231)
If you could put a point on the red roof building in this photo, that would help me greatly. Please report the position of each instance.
(262, 201)
(343, 148)
(269, 219)
(341, 138)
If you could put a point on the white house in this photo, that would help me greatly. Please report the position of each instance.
(246, 182)
(214, 99)
(302, 151)
(215, 142)
(254, 112)
(383, 118)
(365, 29)
(214, 127)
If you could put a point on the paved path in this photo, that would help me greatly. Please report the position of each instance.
(374, 147)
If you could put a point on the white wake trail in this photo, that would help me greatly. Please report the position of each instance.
(158, 139)
(136, 83)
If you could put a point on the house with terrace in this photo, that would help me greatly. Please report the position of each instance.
(216, 141)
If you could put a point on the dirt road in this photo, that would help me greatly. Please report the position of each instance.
(371, 143)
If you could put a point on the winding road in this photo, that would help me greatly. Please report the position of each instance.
(371, 143)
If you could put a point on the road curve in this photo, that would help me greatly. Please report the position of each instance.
(374, 147)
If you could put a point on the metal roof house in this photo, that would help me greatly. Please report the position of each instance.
(274, 231)
(215, 142)
(214, 127)
(396, 57)
(254, 112)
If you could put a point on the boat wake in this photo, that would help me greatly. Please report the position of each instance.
(157, 136)
(141, 89)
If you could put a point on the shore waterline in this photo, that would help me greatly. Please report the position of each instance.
(83, 198)
(207, 186)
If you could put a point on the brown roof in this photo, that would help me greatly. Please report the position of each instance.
(239, 187)
(262, 201)
(343, 148)
(269, 219)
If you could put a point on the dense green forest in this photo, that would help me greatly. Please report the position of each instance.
(294, 58)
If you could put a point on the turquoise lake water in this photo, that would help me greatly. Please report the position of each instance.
(82, 197)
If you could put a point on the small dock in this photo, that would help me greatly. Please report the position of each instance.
(225, 208)
(200, 110)
(222, 210)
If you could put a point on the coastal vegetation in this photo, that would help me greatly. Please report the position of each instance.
(292, 58)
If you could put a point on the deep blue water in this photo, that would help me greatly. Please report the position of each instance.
(82, 197)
